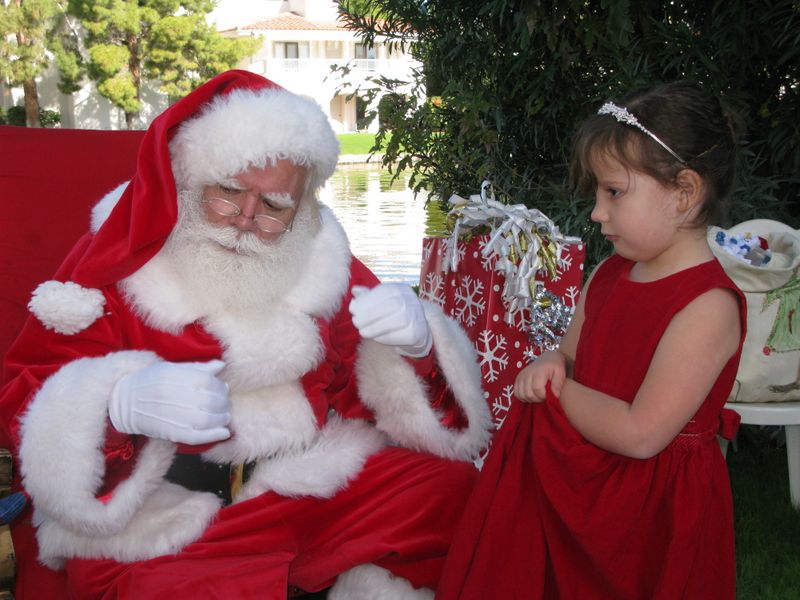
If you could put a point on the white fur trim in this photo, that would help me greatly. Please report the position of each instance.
(103, 208)
(265, 422)
(63, 432)
(320, 288)
(158, 298)
(389, 386)
(370, 582)
(271, 348)
(335, 458)
(170, 518)
(248, 127)
(67, 308)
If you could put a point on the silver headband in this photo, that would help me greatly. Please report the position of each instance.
(621, 114)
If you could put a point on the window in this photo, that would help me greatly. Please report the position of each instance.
(333, 49)
(286, 50)
(364, 51)
(291, 49)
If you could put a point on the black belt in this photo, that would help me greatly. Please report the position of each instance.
(196, 474)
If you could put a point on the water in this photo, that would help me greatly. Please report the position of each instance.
(383, 220)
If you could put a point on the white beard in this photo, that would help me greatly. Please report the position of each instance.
(228, 271)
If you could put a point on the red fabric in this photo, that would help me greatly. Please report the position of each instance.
(49, 179)
(38, 353)
(579, 522)
(399, 514)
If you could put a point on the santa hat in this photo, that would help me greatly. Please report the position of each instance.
(249, 127)
(231, 122)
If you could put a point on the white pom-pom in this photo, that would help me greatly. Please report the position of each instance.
(66, 307)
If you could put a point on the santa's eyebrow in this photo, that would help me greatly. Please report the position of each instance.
(230, 183)
(279, 199)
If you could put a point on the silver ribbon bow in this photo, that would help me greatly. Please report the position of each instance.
(524, 240)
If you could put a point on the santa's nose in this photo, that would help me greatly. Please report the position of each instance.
(245, 219)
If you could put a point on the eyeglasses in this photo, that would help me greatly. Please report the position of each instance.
(265, 223)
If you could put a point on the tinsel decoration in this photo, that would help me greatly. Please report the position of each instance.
(525, 242)
(550, 318)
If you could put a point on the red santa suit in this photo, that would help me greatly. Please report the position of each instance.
(359, 456)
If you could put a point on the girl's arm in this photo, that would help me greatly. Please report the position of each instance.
(695, 347)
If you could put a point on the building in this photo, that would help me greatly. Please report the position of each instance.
(302, 41)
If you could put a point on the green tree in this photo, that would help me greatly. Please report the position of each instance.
(23, 30)
(65, 42)
(132, 41)
(508, 80)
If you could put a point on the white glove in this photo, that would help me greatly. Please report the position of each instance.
(391, 313)
(179, 402)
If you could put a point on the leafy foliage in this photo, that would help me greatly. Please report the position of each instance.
(169, 41)
(23, 31)
(15, 115)
(508, 81)
(64, 41)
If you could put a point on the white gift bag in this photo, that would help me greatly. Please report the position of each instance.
(769, 370)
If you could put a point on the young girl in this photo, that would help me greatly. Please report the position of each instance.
(609, 483)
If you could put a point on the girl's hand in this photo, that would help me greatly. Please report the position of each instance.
(531, 383)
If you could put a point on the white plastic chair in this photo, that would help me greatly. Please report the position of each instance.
(784, 414)
(787, 415)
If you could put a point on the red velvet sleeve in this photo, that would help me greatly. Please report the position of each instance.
(344, 339)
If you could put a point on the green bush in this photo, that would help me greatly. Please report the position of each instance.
(15, 115)
(514, 78)
(49, 118)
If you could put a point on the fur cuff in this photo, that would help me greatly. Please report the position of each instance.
(170, 518)
(66, 307)
(369, 582)
(335, 458)
(389, 386)
(63, 433)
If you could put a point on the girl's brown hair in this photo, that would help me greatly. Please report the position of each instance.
(692, 123)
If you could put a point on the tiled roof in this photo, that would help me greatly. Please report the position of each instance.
(291, 21)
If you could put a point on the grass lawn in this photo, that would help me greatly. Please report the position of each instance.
(767, 527)
(356, 143)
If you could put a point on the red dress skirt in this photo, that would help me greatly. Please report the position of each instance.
(554, 516)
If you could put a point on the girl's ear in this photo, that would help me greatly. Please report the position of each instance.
(691, 188)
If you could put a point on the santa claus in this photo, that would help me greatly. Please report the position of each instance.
(214, 322)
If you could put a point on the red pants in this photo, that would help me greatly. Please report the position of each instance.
(398, 514)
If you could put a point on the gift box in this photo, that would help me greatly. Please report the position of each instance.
(512, 289)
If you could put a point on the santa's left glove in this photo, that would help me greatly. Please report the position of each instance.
(180, 402)
(392, 314)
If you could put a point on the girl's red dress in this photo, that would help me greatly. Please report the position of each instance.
(554, 516)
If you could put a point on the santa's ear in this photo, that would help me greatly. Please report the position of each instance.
(691, 188)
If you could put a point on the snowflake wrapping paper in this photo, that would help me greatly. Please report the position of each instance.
(473, 295)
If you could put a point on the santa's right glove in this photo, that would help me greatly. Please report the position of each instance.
(392, 314)
(180, 402)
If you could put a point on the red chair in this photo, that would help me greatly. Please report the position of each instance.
(49, 180)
